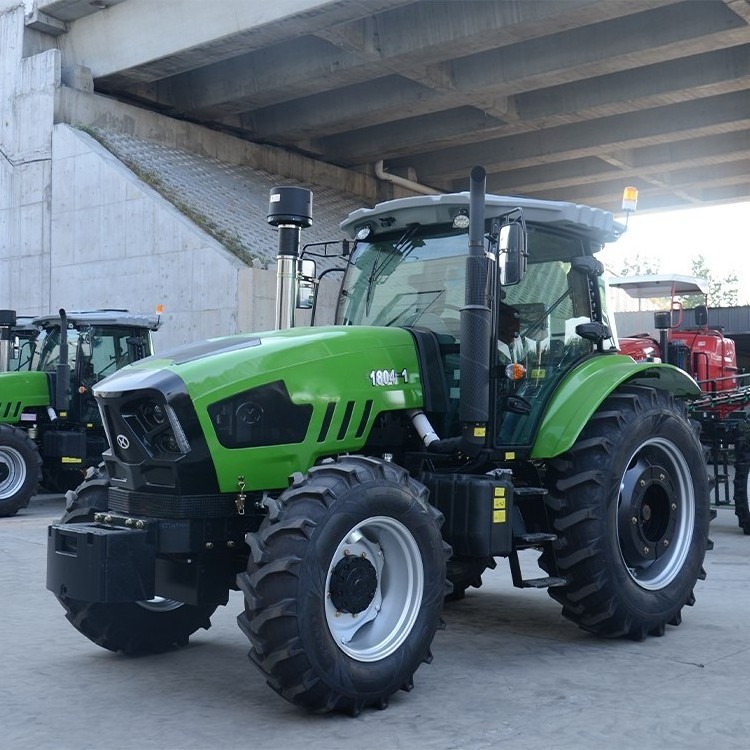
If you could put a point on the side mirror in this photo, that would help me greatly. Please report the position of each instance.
(512, 249)
(307, 284)
(701, 316)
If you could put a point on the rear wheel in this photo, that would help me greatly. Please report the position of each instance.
(142, 627)
(345, 585)
(630, 506)
(742, 477)
(20, 470)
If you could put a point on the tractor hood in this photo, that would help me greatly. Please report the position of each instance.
(273, 401)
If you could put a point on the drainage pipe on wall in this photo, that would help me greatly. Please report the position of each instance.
(417, 187)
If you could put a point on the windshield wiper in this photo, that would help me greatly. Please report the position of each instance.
(399, 251)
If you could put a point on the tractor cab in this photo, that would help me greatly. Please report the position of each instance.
(98, 342)
(541, 288)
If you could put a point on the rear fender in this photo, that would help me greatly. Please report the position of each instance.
(584, 389)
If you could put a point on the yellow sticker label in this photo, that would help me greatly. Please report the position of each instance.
(538, 372)
(510, 455)
(499, 491)
(70, 460)
(499, 503)
(498, 516)
(480, 431)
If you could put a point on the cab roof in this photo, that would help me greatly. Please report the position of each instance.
(593, 223)
(659, 285)
(107, 317)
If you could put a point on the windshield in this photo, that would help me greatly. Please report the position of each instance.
(407, 280)
(101, 349)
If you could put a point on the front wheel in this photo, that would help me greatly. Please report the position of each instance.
(630, 506)
(344, 589)
(20, 470)
(143, 627)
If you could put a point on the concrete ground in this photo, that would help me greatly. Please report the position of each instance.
(509, 672)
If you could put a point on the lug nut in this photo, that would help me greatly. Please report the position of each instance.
(139, 524)
(209, 545)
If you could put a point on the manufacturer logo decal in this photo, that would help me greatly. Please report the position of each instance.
(123, 442)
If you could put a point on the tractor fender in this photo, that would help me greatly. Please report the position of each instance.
(583, 390)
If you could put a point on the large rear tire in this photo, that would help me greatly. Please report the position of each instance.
(742, 477)
(20, 470)
(630, 505)
(345, 586)
(145, 627)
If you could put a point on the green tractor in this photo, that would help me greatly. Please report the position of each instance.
(50, 428)
(348, 478)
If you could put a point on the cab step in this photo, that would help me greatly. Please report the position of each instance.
(538, 539)
(519, 581)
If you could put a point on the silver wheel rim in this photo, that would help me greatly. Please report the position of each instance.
(675, 515)
(382, 626)
(15, 467)
(159, 604)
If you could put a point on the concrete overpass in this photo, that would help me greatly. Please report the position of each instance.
(561, 99)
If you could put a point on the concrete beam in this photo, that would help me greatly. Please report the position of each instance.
(624, 91)
(150, 39)
(717, 153)
(725, 113)
(411, 41)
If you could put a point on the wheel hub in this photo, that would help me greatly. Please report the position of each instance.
(4, 472)
(648, 513)
(354, 581)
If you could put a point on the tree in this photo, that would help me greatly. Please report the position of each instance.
(640, 266)
(722, 292)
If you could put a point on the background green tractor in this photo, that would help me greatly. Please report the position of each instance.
(50, 428)
(348, 478)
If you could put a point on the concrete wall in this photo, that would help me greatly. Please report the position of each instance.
(118, 243)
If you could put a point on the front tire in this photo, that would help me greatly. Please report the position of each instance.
(145, 627)
(345, 585)
(20, 470)
(630, 505)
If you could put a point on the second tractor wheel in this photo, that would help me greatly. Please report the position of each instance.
(742, 477)
(345, 586)
(20, 470)
(142, 627)
(630, 506)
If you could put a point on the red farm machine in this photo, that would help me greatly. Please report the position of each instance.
(686, 340)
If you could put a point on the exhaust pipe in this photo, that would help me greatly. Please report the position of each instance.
(476, 327)
(62, 385)
(290, 210)
(7, 321)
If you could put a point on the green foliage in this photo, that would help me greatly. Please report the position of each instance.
(722, 292)
(640, 265)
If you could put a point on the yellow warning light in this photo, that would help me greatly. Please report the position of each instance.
(629, 198)
(160, 309)
(515, 371)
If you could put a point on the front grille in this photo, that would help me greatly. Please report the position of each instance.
(171, 506)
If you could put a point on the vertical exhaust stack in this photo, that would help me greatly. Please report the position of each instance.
(7, 321)
(62, 386)
(290, 210)
(476, 327)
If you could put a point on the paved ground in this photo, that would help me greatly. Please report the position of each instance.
(509, 672)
